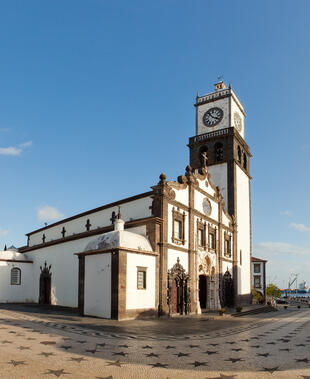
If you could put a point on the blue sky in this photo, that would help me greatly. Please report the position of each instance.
(96, 100)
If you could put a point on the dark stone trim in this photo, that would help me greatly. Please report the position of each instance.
(81, 287)
(110, 205)
(105, 229)
(174, 247)
(204, 217)
(109, 249)
(114, 283)
(223, 259)
(15, 261)
(179, 205)
(122, 283)
(180, 217)
(191, 244)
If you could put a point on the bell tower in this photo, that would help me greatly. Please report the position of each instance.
(219, 143)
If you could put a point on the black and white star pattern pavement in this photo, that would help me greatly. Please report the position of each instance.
(259, 346)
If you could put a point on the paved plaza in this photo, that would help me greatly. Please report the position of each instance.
(50, 343)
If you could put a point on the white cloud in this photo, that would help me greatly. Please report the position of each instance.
(15, 150)
(48, 213)
(26, 144)
(299, 227)
(10, 150)
(286, 213)
(3, 232)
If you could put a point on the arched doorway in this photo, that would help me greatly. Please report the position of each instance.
(227, 290)
(203, 291)
(45, 285)
(178, 290)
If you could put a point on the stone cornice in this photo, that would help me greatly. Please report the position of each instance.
(113, 249)
(105, 229)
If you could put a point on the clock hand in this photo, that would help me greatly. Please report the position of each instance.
(216, 118)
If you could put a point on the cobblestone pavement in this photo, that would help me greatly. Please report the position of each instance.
(39, 345)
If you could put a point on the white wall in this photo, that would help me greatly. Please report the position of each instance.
(64, 270)
(173, 255)
(16, 293)
(243, 235)
(138, 299)
(130, 211)
(201, 109)
(219, 178)
(235, 108)
(97, 294)
(199, 198)
(181, 195)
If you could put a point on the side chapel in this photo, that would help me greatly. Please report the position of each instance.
(183, 247)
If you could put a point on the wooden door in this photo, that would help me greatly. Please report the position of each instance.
(174, 297)
(203, 291)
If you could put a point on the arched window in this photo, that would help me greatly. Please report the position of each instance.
(219, 153)
(245, 163)
(202, 152)
(239, 154)
(15, 276)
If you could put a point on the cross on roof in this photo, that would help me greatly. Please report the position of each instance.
(63, 232)
(43, 238)
(205, 159)
(113, 218)
(88, 225)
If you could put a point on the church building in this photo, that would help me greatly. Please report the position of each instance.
(181, 248)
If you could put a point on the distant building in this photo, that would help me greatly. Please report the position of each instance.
(259, 275)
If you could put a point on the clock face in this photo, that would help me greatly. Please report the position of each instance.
(206, 205)
(238, 121)
(213, 116)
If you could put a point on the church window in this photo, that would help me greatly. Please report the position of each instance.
(257, 268)
(43, 238)
(141, 278)
(219, 153)
(227, 245)
(257, 282)
(201, 234)
(178, 229)
(15, 276)
(240, 257)
(211, 238)
(178, 234)
(245, 164)
(239, 154)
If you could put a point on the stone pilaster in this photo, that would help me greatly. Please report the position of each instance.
(160, 209)
(81, 284)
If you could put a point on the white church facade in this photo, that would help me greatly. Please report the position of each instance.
(183, 247)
